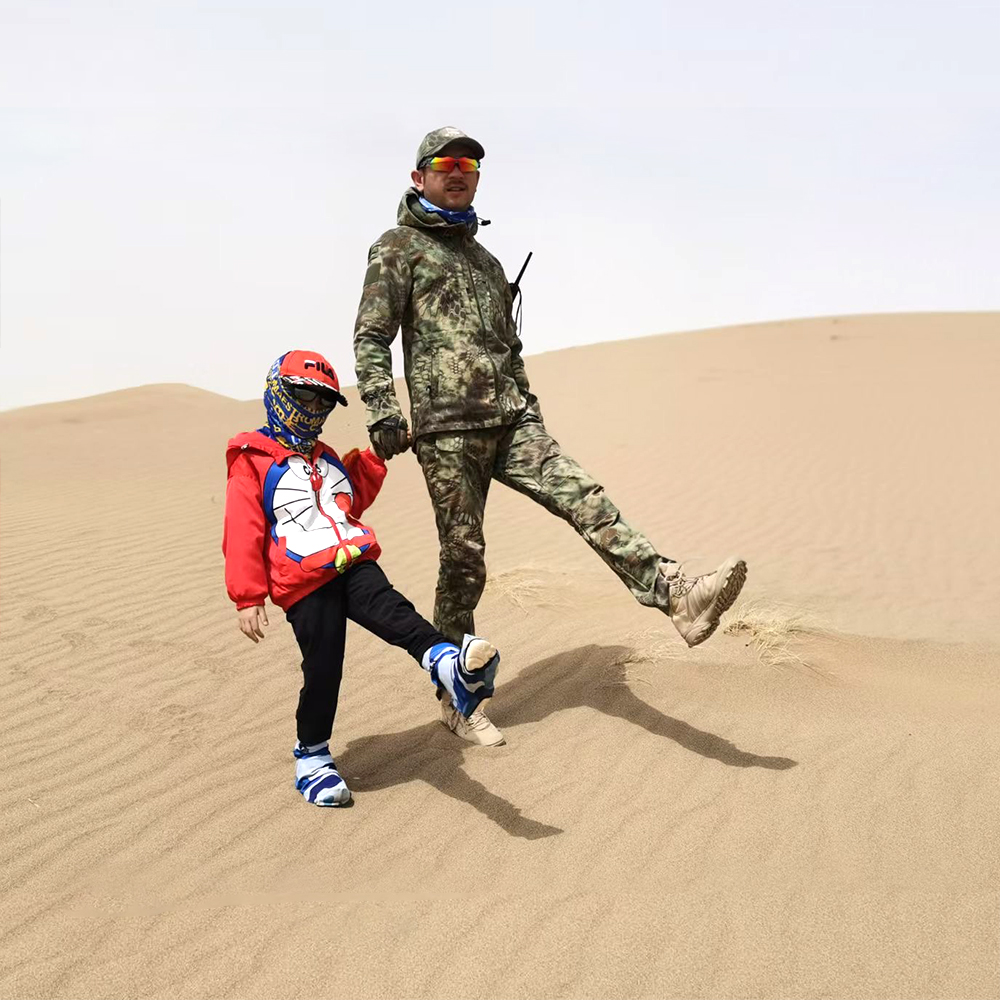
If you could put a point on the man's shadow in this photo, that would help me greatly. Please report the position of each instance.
(592, 676)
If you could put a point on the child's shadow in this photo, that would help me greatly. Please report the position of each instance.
(593, 676)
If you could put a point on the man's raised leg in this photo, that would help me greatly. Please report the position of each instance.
(530, 461)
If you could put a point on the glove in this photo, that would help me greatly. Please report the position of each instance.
(390, 436)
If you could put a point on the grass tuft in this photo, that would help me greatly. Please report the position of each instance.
(772, 629)
(526, 588)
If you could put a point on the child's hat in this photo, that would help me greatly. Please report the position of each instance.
(310, 369)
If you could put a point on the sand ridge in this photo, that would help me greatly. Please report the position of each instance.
(662, 823)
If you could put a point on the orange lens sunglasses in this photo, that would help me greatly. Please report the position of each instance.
(446, 164)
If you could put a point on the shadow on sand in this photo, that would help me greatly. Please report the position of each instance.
(591, 676)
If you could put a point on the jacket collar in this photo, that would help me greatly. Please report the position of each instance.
(255, 441)
(411, 213)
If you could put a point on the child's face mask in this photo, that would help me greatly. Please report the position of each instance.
(294, 422)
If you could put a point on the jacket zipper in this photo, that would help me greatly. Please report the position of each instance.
(316, 481)
(482, 329)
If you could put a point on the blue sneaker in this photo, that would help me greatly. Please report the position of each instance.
(468, 674)
(317, 778)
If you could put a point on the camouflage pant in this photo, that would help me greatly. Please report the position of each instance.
(458, 467)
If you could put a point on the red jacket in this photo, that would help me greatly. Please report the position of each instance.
(291, 523)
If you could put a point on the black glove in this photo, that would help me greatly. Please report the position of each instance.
(390, 436)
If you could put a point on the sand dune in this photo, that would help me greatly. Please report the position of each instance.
(662, 823)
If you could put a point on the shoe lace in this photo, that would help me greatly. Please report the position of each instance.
(478, 720)
(679, 583)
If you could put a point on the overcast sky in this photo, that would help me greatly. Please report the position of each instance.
(189, 189)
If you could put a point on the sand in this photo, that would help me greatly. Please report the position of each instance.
(809, 813)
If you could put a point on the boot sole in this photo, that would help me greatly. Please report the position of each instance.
(727, 596)
(479, 654)
(336, 803)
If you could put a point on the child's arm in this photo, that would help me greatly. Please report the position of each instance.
(366, 471)
(243, 546)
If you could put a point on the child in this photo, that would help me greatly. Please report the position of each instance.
(292, 532)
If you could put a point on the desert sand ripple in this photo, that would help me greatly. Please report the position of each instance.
(806, 806)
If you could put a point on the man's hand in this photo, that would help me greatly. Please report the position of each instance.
(251, 620)
(390, 436)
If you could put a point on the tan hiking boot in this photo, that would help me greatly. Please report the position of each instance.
(695, 603)
(476, 728)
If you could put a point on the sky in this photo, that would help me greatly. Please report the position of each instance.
(189, 189)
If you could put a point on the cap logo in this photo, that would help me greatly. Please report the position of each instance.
(320, 366)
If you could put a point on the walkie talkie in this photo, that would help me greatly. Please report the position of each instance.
(515, 285)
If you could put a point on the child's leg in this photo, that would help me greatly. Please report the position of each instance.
(319, 621)
(467, 674)
(376, 605)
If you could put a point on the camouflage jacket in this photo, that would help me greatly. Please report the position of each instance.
(461, 352)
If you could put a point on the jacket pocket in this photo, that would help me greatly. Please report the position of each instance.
(450, 443)
(423, 379)
(442, 458)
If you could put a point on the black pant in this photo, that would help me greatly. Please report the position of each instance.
(319, 621)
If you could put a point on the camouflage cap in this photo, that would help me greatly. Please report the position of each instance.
(435, 141)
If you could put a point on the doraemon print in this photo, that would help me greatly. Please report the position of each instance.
(307, 504)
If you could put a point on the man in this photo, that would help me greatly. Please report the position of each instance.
(474, 415)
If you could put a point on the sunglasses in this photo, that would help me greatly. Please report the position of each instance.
(303, 395)
(446, 164)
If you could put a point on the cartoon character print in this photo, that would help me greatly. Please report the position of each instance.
(308, 505)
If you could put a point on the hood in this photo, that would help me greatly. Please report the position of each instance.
(254, 440)
(412, 213)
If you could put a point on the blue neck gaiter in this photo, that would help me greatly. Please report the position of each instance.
(288, 422)
(456, 218)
